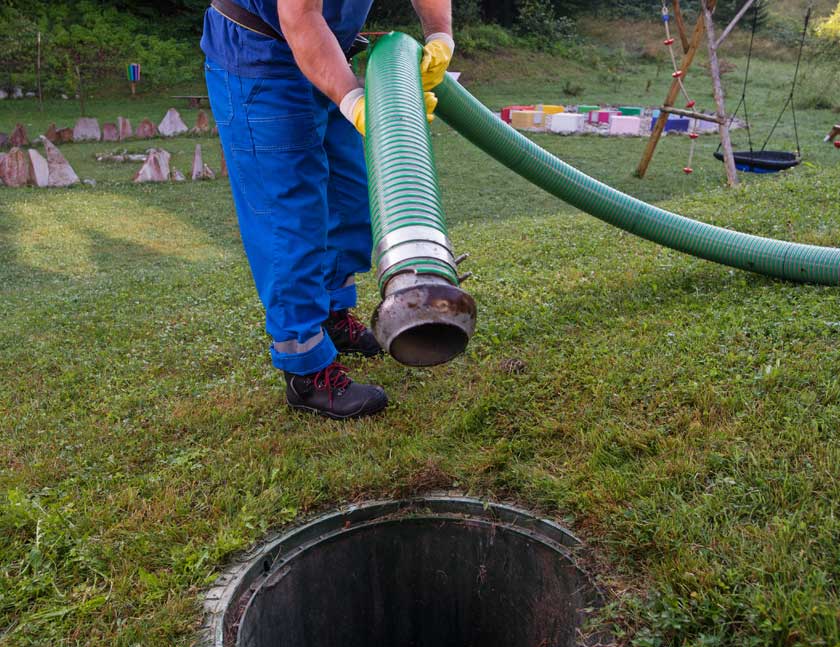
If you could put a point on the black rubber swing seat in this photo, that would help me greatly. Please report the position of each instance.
(762, 161)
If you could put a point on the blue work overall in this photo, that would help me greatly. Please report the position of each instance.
(298, 177)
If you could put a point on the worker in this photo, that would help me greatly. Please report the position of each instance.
(291, 117)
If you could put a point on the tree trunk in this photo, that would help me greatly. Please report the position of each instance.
(81, 90)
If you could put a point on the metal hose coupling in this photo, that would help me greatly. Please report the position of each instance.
(425, 318)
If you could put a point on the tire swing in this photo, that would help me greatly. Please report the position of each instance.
(763, 160)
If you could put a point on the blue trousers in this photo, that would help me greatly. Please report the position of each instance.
(299, 182)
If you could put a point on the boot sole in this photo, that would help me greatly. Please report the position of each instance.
(334, 416)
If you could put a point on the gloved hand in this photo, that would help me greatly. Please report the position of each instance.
(353, 107)
(430, 99)
(436, 56)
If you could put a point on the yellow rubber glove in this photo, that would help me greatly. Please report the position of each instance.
(436, 56)
(430, 99)
(353, 107)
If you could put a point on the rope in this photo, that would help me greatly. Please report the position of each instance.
(689, 102)
(743, 100)
(789, 101)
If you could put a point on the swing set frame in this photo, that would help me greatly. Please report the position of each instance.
(690, 46)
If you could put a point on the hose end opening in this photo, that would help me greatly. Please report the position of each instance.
(424, 320)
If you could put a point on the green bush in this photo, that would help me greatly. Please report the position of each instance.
(88, 44)
(390, 13)
(829, 28)
(631, 9)
(541, 27)
(17, 47)
(482, 38)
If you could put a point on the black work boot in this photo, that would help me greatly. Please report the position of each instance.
(349, 335)
(330, 392)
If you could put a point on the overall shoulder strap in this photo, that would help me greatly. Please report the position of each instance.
(245, 19)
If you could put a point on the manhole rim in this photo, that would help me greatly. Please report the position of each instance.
(252, 568)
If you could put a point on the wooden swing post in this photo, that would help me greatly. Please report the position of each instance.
(714, 67)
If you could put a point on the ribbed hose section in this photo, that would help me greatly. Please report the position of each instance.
(424, 317)
(409, 227)
(780, 259)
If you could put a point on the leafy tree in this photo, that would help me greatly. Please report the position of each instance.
(17, 46)
(87, 43)
(829, 28)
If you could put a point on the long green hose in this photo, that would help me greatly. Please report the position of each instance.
(792, 261)
(409, 226)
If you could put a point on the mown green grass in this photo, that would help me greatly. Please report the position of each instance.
(681, 417)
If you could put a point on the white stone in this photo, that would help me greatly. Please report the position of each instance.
(86, 129)
(172, 124)
(124, 128)
(198, 163)
(61, 173)
(15, 169)
(156, 167)
(17, 93)
(3, 95)
(39, 169)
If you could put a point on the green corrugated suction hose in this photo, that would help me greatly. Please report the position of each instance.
(409, 226)
(424, 317)
(792, 261)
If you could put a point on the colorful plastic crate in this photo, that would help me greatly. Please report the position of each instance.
(566, 122)
(601, 116)
(673, 125)
(625, 125)
(631, 111)
(550, 109)
(677, 125)
(527, 119)
(508, 109)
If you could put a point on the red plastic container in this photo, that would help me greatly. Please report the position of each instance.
(506, 111)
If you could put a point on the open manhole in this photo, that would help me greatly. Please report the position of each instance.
(427, 572)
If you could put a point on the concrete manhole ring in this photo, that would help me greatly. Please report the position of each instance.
(433, 571)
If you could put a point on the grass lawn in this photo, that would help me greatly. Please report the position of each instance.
(681, 417)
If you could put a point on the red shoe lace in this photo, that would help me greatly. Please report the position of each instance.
(332, 378)
(355, 328)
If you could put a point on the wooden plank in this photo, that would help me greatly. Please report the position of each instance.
(714, 67)
(690, 113)
(678, 17)
(734, 22)
(659, 127)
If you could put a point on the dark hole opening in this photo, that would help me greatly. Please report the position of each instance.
(429, 344)
(421, 582)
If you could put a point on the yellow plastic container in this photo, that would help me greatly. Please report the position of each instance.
(553, 109)
(527, 119)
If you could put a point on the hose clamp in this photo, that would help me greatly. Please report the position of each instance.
(412, 251)
(411, 234)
